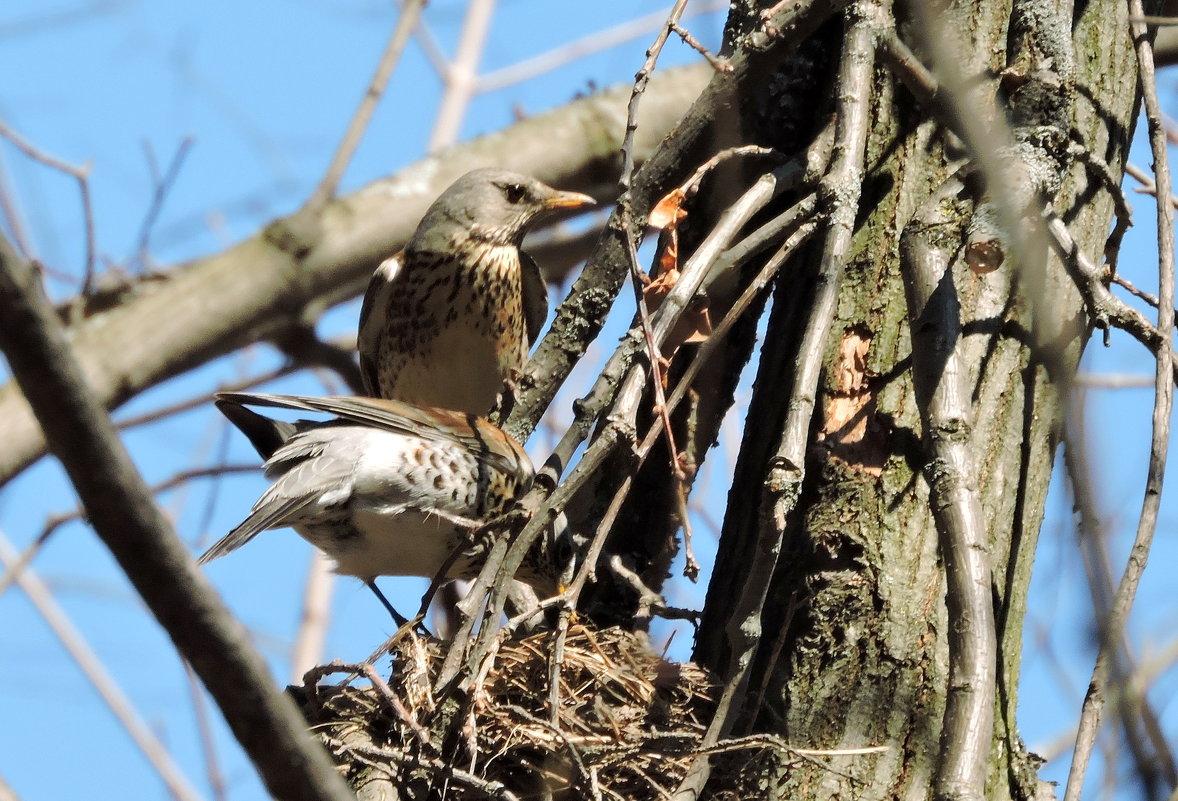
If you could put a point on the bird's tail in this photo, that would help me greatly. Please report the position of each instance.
(264, 434)
(230, 542)
(267, 436)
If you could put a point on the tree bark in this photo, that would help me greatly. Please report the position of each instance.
(858, 651)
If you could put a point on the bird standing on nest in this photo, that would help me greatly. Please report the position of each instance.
(449, 320)
(386, 488)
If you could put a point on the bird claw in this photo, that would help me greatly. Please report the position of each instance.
(505, 400)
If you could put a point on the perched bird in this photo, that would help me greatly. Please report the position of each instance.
(386, 488)
(448, 320)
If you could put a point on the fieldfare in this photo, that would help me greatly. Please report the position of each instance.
(448, 320)
(387, 488)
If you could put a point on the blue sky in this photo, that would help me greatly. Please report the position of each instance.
(265, 89)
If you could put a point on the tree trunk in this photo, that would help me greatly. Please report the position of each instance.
(857, 651)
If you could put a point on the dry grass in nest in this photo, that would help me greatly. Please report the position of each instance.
(624, 725)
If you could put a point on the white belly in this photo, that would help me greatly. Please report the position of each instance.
(410, 544)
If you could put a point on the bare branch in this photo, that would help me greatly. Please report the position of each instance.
(316, 614)
(641, 80)
(580, 317)
(1148, 186)
(600, 40)
(13, 214)
(122, 512)
(208, 744)
(410, 13)
(104, 683)
(1104, 307)
(79, 174)
(718, 64)
(841, 189)
(1163, 405)
(302, 345)
(26, 557)
(6, 792)
(273, 287)
(941, 375)
(461, 75)
(1132, 289)
(1148, 747)
(159, 192)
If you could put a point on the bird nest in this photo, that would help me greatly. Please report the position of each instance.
(620, 723)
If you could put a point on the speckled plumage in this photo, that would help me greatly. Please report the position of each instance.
(449, 319)
(385, 488)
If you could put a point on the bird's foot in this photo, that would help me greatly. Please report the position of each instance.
(505, 400)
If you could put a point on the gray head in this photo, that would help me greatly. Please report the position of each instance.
(489, 205)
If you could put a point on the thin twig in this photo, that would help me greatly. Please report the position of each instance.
(11, 210)
(1124, 214)
(159, 193)
(1132, 289)
(204, 729)
(758, 285)
(942, 383)
(79, 174)
(1112, 381)
(641, 80)
(1151, 19)
(774, 742)
(1090, 713)
(692, 275)
(504, 558)
(205, 398)
(1148, 186)
(579, 318)
(657, 364)
(1153, 759)
(315, 616)
(1103, 306)
(58, 520)
(104, 684)
(593, 43)
(588, 409)
(713, 342)
(124, 515)
(325, 192)
(378, 758)
(429, 42)
(6, 792)
(841, 186)
(718, 64)
(461, 74)
(382, 688)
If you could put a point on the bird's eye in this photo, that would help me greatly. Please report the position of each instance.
(514, 192)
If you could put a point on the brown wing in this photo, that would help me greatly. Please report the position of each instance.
(439, 425)
(535, 293)
(372, 319)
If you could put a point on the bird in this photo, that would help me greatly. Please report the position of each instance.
(449, 320)
(386, 488)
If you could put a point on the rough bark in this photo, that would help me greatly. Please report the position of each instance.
(858, 654)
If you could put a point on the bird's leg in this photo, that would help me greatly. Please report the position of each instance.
(398, 618)
(505, 400)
